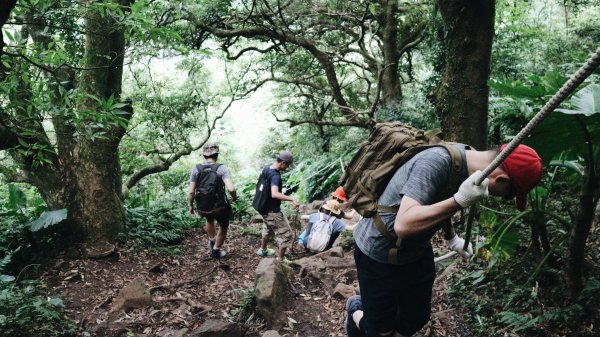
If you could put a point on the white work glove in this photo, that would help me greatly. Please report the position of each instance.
(456, 244)
(469, 193)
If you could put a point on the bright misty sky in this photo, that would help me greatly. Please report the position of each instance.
(249, 118)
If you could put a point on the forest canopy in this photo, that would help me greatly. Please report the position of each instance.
(105, 106)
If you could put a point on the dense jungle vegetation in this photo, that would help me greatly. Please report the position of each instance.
(105, 106)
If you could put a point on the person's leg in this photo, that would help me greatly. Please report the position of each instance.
(414, 301)
(266, 233)
(265, 238)
(223, 222)
(378, 286)
(210, 228)
(283, 234)
(210, 231)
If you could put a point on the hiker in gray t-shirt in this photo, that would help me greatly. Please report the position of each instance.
(221, 215)
(395, 297)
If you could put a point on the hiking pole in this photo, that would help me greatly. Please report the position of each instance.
(567, 88)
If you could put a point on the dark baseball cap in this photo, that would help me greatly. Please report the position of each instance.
(286, 156)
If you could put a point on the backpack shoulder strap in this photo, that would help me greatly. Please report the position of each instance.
(449, 189)
(214, 166)
(199, 168)
(456, 165)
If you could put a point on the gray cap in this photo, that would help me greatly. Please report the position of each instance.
(286, 156)
(210, 148)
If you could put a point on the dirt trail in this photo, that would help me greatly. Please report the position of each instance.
(189, 288)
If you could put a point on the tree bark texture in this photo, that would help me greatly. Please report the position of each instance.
(390, 80)
(461, 98)
(587, 213)
(80, 169)
(95, 162)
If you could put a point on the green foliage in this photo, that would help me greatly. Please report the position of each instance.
(23, 309)
(506, 304)
(242, 208)
(159, 226)
(247, 301)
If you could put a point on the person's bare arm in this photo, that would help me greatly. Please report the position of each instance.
(190, 197)
(413, 218)
(230, 188)
(275, 194)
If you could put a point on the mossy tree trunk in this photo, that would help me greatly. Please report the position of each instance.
(78, 170)
(461, 98)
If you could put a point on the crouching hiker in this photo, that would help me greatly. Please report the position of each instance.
(208, 182)
(395, 297)
(323, 227)
(340, 195)
(267, 201)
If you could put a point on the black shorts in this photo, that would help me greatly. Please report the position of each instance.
(395, 297)
(221, 217)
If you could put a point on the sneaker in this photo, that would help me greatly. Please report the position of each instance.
(217, 253)
(265, 252)
(352, 304)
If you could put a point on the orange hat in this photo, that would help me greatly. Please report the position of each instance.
(524, 167)
(339, 193)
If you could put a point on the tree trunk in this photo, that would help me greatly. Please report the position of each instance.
(587, 213)
(95, 162)
(390, 81)
(461, 98)
(82, 172)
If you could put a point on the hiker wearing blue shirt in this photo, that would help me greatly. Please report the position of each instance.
(328, 213)
(275, 221)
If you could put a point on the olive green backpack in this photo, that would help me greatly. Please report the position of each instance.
(388, 147)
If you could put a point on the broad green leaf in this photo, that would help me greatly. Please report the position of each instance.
(55, 301)
(586, 101)
(47, 219)
(517, 88)
(6, 278)
(565, 133)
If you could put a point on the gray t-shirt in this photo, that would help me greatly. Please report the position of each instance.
(221, 172)
(422, 178)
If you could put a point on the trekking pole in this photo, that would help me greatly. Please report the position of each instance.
(567, 88)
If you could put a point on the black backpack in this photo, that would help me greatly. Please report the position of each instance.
(262, 194)
(210, 190)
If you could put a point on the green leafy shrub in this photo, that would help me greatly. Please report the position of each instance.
(22, 308)
(25, 313)
(160, 225)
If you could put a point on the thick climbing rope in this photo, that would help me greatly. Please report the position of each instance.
(575, 80)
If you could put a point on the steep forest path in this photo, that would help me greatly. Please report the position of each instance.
(188, 288)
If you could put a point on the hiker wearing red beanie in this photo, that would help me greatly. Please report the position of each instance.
(393, 253)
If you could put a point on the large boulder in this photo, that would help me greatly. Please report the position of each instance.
(217, 328)
(270, 286)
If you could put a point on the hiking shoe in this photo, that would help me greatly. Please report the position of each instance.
(352, 304)
(217, 253)
(265, 252)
